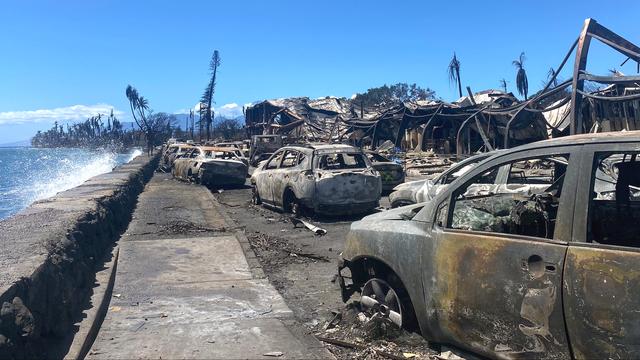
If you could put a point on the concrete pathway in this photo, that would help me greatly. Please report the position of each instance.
(184, 288)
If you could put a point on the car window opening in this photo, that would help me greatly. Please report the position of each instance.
(342, 161)
(527, 204)
(614, 210)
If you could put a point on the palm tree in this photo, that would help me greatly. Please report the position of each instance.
(454, 72)
(140, 109)
(503, 84)
(211, 88)
(522, 83)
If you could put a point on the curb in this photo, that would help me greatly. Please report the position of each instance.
(90, 326)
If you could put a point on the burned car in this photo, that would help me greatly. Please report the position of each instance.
(391, 173)
(418, 191)
(327, 179)
(551, 272)
(211, 166)
(173, 152)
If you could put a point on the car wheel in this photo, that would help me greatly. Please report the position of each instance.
(291, 204)
(379, 296)
(255, 196)
(390, 300)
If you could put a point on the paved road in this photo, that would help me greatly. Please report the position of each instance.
(184, 287)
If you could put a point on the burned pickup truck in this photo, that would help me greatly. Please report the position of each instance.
(543, 265)
(327, 179)
(211, 166)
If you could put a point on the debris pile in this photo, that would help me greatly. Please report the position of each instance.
(280, 251)
(355, 334)
(425, 164)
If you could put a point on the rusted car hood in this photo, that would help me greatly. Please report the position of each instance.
(401, 213)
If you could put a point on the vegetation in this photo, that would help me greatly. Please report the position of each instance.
(229, 129)
(156, 127)
(398, 92)
(454, 73)
(503, 85)
(92, 133)
(522, 83)
(207, 97)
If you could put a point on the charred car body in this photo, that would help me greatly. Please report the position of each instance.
(211, 166)
(555, 274)
(328, 179)
(391, 173)
(172, 152)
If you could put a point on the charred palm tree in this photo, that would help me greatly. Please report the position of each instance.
(210, 90)
(503, 85)
(454, 72)
(522, 83)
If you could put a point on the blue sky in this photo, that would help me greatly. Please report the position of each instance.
(68, 59)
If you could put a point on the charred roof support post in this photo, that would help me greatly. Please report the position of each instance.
(590, 30)
(459, 143)
(427, 127)
(484, 137)
(578, 84)
(402, 128)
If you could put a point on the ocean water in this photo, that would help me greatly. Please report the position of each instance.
(31, 174)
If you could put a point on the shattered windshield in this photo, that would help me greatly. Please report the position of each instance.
(342, 161)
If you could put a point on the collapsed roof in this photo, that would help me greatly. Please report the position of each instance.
(482, 121)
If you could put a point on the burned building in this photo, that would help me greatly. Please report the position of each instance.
(481, 121)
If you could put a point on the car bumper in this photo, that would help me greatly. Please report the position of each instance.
(346, 208)
(218, 179)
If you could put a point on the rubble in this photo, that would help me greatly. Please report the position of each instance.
(316, 230)
(370, 337)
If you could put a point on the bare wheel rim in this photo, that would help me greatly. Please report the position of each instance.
(379, 296)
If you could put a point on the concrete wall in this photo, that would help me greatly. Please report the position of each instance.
(49, 254)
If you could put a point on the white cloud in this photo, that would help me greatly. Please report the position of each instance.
(231, 110)
(62, 114)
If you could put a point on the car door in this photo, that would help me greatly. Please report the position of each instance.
(266, 179)
(494, 276)
(282, 175)
(602, 271)
(193, 160)
(181, 163)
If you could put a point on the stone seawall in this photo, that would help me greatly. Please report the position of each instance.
(49, 254)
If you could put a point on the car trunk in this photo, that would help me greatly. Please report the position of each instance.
(224, 170)
(347, 186)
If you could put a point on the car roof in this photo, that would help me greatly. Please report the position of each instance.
(217, 148)
(323, 146)
(600, 138)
